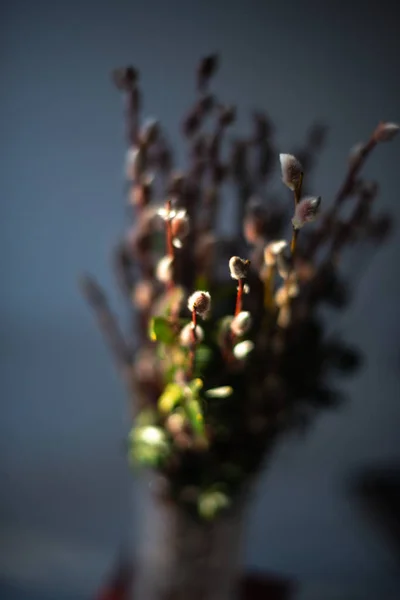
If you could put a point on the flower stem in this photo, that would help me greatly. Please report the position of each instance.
(344, 192)
(170, 246)
(192, 355)
(293, 243)
(268, 287)
(295, 233)
(239, 296)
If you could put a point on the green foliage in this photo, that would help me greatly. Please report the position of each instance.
(203, 358)
(170, 398)
(195, 415)
(161, 330)
(211, 502)
(148, 446)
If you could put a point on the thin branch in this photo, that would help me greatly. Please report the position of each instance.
(239, 297)
(192, 353)
(108, 325)
(342, 195)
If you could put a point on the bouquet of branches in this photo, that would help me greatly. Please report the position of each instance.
(228, 349)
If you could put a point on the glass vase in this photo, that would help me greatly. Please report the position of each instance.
(180, 558)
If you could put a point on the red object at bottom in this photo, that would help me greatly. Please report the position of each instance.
(254, 587)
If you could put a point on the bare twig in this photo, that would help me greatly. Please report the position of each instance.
(108, 325)
(342, 195)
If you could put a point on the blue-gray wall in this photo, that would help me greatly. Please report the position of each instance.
(62, 412)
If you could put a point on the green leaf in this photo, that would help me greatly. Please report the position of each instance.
(149, 446)
(170, 398)
(211, 503)
(161, 330)
(203, 357)
(147, 416)
(195, 385)
(195, 416)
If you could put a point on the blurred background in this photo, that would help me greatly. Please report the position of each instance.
(66, 494)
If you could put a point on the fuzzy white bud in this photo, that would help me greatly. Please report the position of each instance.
(200, 302)
(386, 132)
(306, 211)
(220, 392)
(241, 323)
(242, 349)
(164, 271)
(292, 171)
(238, 267)
(272, 250)
(186, 335)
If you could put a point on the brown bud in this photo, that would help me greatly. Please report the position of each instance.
(385, 132)
(125, 78)
(227, 116)
(206, 69)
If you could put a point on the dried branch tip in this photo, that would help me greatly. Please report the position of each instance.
(386, 132)
(238, 267)
(125, 78)
(200, 302)
(292, 171)
(206, 69)
(306, 211)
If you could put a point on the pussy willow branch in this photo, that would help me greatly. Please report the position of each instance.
(239, 297)
(132, 105)
(213, 167)
(295, 233)
(192, 351)
(109, 327)
(343, 193)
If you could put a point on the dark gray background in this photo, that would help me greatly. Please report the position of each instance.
(65, 497)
